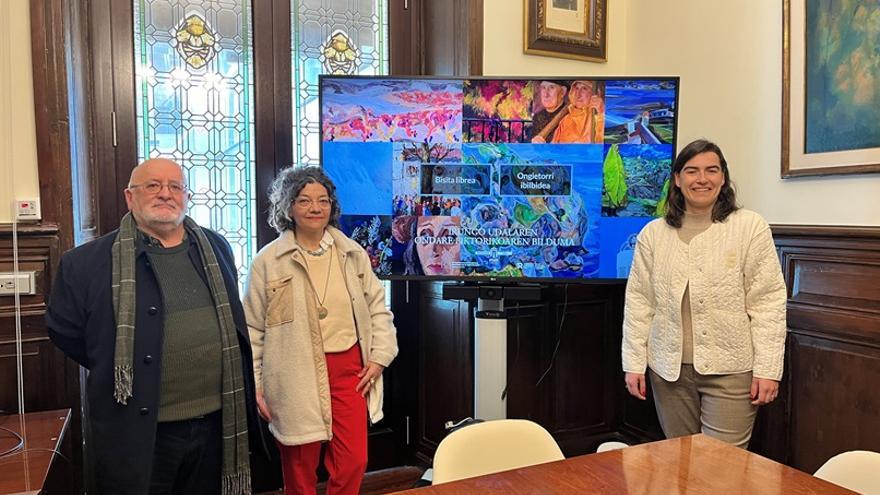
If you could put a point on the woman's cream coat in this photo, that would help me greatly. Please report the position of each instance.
(737, 300)
(289, 364)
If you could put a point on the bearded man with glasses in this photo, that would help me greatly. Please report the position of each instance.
(152, 311)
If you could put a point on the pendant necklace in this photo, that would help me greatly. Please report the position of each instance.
(322, 311)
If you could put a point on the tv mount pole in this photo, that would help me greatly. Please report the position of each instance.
(490, 341)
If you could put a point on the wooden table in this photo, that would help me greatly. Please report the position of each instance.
(695, 465)
(26, 470)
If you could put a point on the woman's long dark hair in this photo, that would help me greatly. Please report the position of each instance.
(726, 202)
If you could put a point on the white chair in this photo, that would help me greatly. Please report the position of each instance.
(857, 470)
(606, 446)
(491, 447)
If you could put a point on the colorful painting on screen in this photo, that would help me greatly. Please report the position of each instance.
(366, 109)
(498, 178)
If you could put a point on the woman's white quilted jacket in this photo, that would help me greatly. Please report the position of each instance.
(737, 298)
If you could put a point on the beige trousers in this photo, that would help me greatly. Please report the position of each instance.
(716, 405)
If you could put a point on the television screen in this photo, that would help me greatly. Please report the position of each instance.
(498, 179)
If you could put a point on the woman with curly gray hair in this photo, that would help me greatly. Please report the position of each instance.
(320, 333)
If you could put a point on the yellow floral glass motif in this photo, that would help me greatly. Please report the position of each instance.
(341, 56)
(195, 41)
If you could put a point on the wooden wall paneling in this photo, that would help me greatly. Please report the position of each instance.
(836, 406)
(433, 374)
(834, 292)
(580, 400)
(273, 122)
(390, 439)
(54, 382)
(446, 370)
(82, 175)
(440, 57)
(828, 403)
(474, 18)
(401, 378)
(124, 105)
(405, 37)
(528, 355)
(38, 250)
(639, 423)
(101, 42)
(832, 358)
(104, 140)
(585, 382)
(51, 114)
(771, 432)
(578, 385)
(453, 37)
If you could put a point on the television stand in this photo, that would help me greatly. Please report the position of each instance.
(490, 341)
(490, 359)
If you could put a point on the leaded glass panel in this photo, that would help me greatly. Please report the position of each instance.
(194, 89)
(331, 36)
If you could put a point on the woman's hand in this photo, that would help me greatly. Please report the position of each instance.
(262, 408)
(763, 391)
(635, 385)
(368, 377)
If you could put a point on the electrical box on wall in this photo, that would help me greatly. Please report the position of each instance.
(23, 283)
(27, 210)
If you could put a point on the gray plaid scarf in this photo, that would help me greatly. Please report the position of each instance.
(236, 466)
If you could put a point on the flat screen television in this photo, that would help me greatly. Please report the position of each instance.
(513, 179)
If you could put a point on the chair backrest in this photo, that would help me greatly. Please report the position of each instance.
(857, 470)
(491, 447)
(606, 446)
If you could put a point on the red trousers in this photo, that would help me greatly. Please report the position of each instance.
(346, 456)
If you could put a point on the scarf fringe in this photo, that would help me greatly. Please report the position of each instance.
(237, 483)
(122, 383)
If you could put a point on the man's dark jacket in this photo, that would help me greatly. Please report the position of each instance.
(82, 324)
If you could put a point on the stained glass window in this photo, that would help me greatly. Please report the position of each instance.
(331, 36)
(194, 89)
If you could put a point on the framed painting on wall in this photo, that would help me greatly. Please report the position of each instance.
(566, 28)
(830, 87)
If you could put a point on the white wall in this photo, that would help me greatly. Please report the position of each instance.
(729, 57)
(18, 142)
(503, 44)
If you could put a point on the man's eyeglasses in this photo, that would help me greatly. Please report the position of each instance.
(306, 203)
(153, 187)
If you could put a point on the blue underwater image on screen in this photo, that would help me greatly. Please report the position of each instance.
(360, 172)
(536, 235)
(501, 179)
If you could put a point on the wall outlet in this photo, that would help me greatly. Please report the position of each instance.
(27, 210)
(24, 284)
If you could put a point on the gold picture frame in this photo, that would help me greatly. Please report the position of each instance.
(810, 144)
(574, 29)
